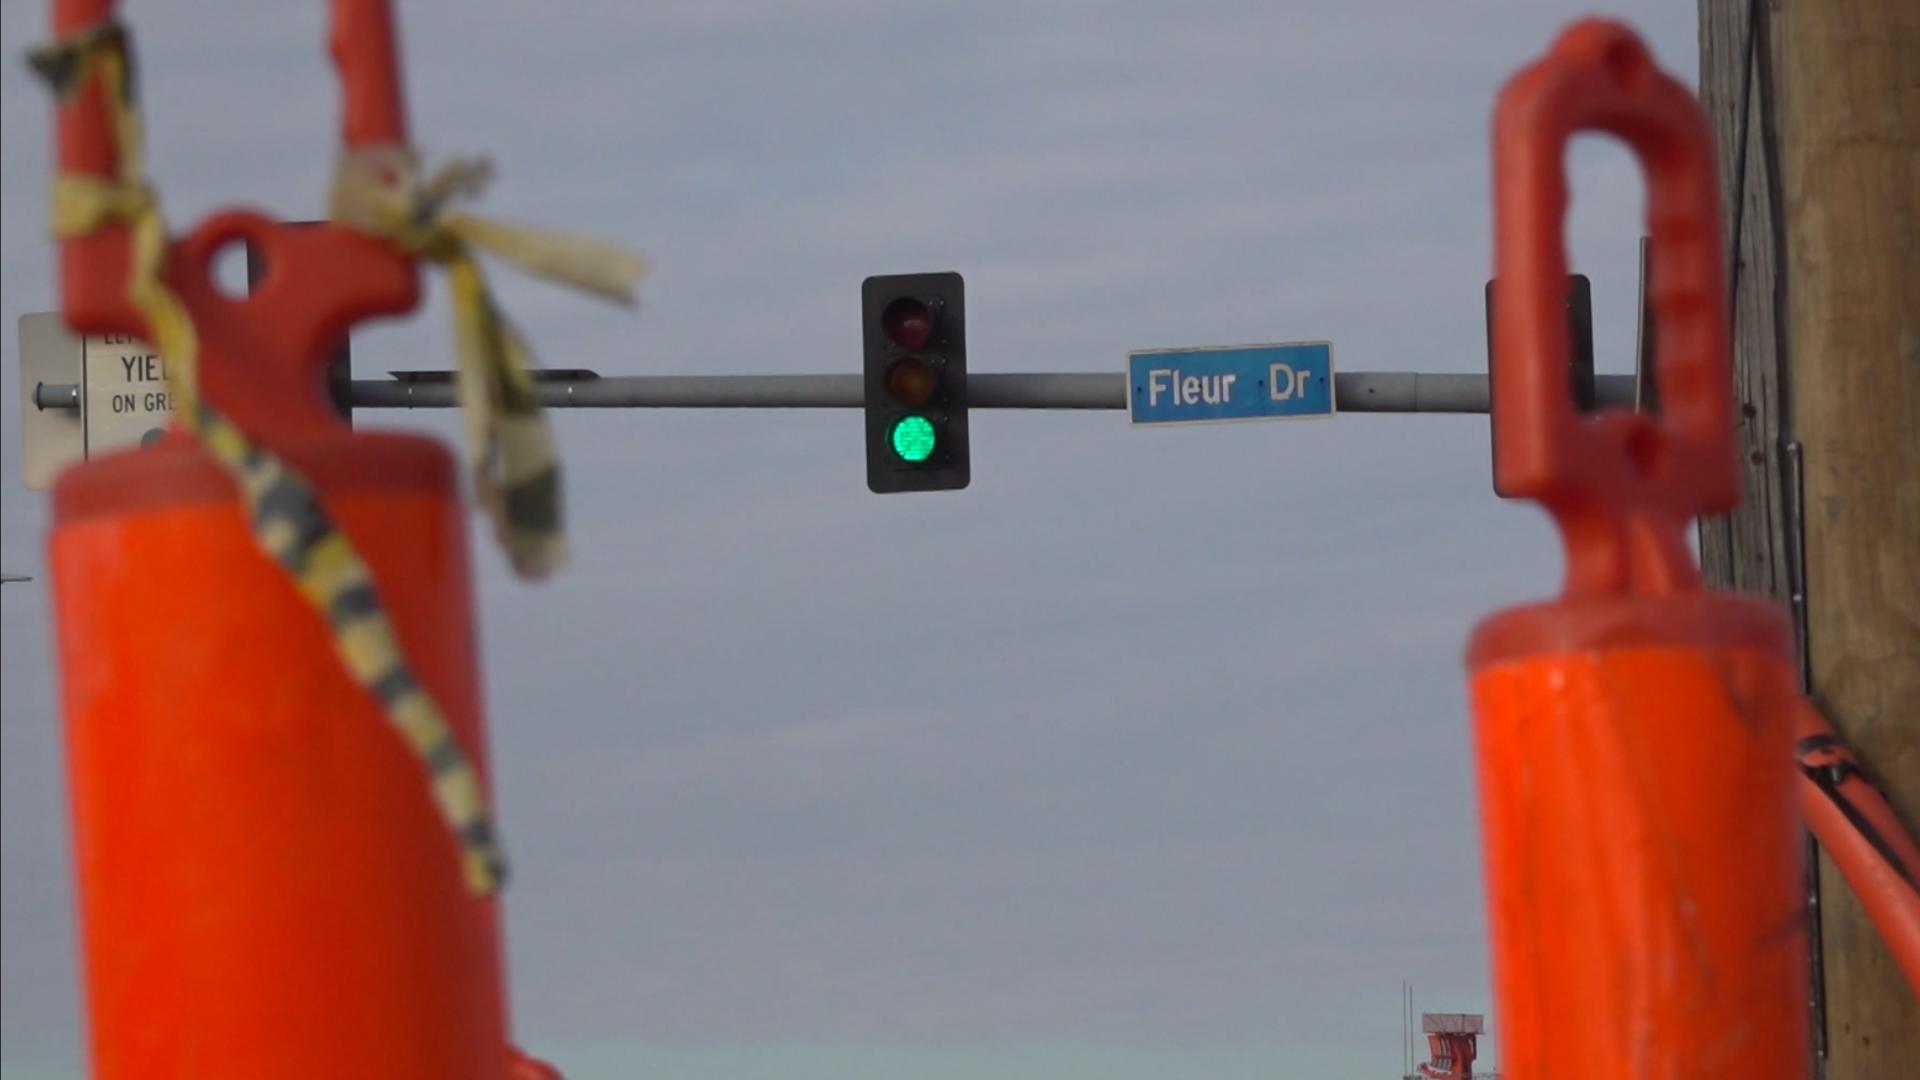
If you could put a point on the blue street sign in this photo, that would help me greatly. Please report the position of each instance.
(1230, 382)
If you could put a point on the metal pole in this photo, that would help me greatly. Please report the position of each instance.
(1365, 391)
(56, 396)
(1354, 391)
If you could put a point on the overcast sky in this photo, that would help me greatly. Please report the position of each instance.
(1147, 755)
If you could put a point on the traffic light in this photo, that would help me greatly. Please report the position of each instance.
(915, 332)
(1580, 383)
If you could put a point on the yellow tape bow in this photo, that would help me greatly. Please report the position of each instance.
(510, 449)
(83, 203)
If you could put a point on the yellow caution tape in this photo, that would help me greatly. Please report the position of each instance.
(379, 190)
(288, 521)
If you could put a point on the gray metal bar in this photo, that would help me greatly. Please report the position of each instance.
(1387, 391)
(642, 392)
(1406, 391)
(1059, 390)
(1362, 391)
(56, 395)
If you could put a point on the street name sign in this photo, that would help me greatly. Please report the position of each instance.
(1224, 383)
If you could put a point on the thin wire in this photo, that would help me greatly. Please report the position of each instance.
(1740, 158)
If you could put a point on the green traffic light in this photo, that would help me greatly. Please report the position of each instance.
(913, 439)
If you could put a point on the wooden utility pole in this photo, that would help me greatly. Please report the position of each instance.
(1850, 132)
(1817, 109)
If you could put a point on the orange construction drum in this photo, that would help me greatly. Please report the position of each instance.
(1635, 736)
(266, 886)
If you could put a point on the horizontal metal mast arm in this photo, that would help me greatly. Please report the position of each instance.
(1359, 391)
(1354, 391)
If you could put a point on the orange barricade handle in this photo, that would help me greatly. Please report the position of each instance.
(1632, 736)
(1621, 485)
(263, 357)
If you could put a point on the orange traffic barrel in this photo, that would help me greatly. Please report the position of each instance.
(266, 887)
(1634, 737)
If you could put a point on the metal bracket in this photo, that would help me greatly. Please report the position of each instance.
(52, 434)
(1796, 497)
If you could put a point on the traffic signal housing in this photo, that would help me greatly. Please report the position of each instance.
(915, 331)
(1580, 381)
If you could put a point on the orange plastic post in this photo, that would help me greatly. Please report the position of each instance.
(1634, 737)
(266, 888)
(1863, 837)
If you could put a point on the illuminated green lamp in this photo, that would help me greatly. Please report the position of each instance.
(913, 439)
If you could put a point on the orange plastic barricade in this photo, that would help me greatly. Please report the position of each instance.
(266, 887)
(1862, 836)
(1634, 737)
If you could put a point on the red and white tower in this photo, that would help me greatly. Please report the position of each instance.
(1453, 1041)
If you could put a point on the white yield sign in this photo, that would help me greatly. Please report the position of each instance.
(125, 401)
(121, 393)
